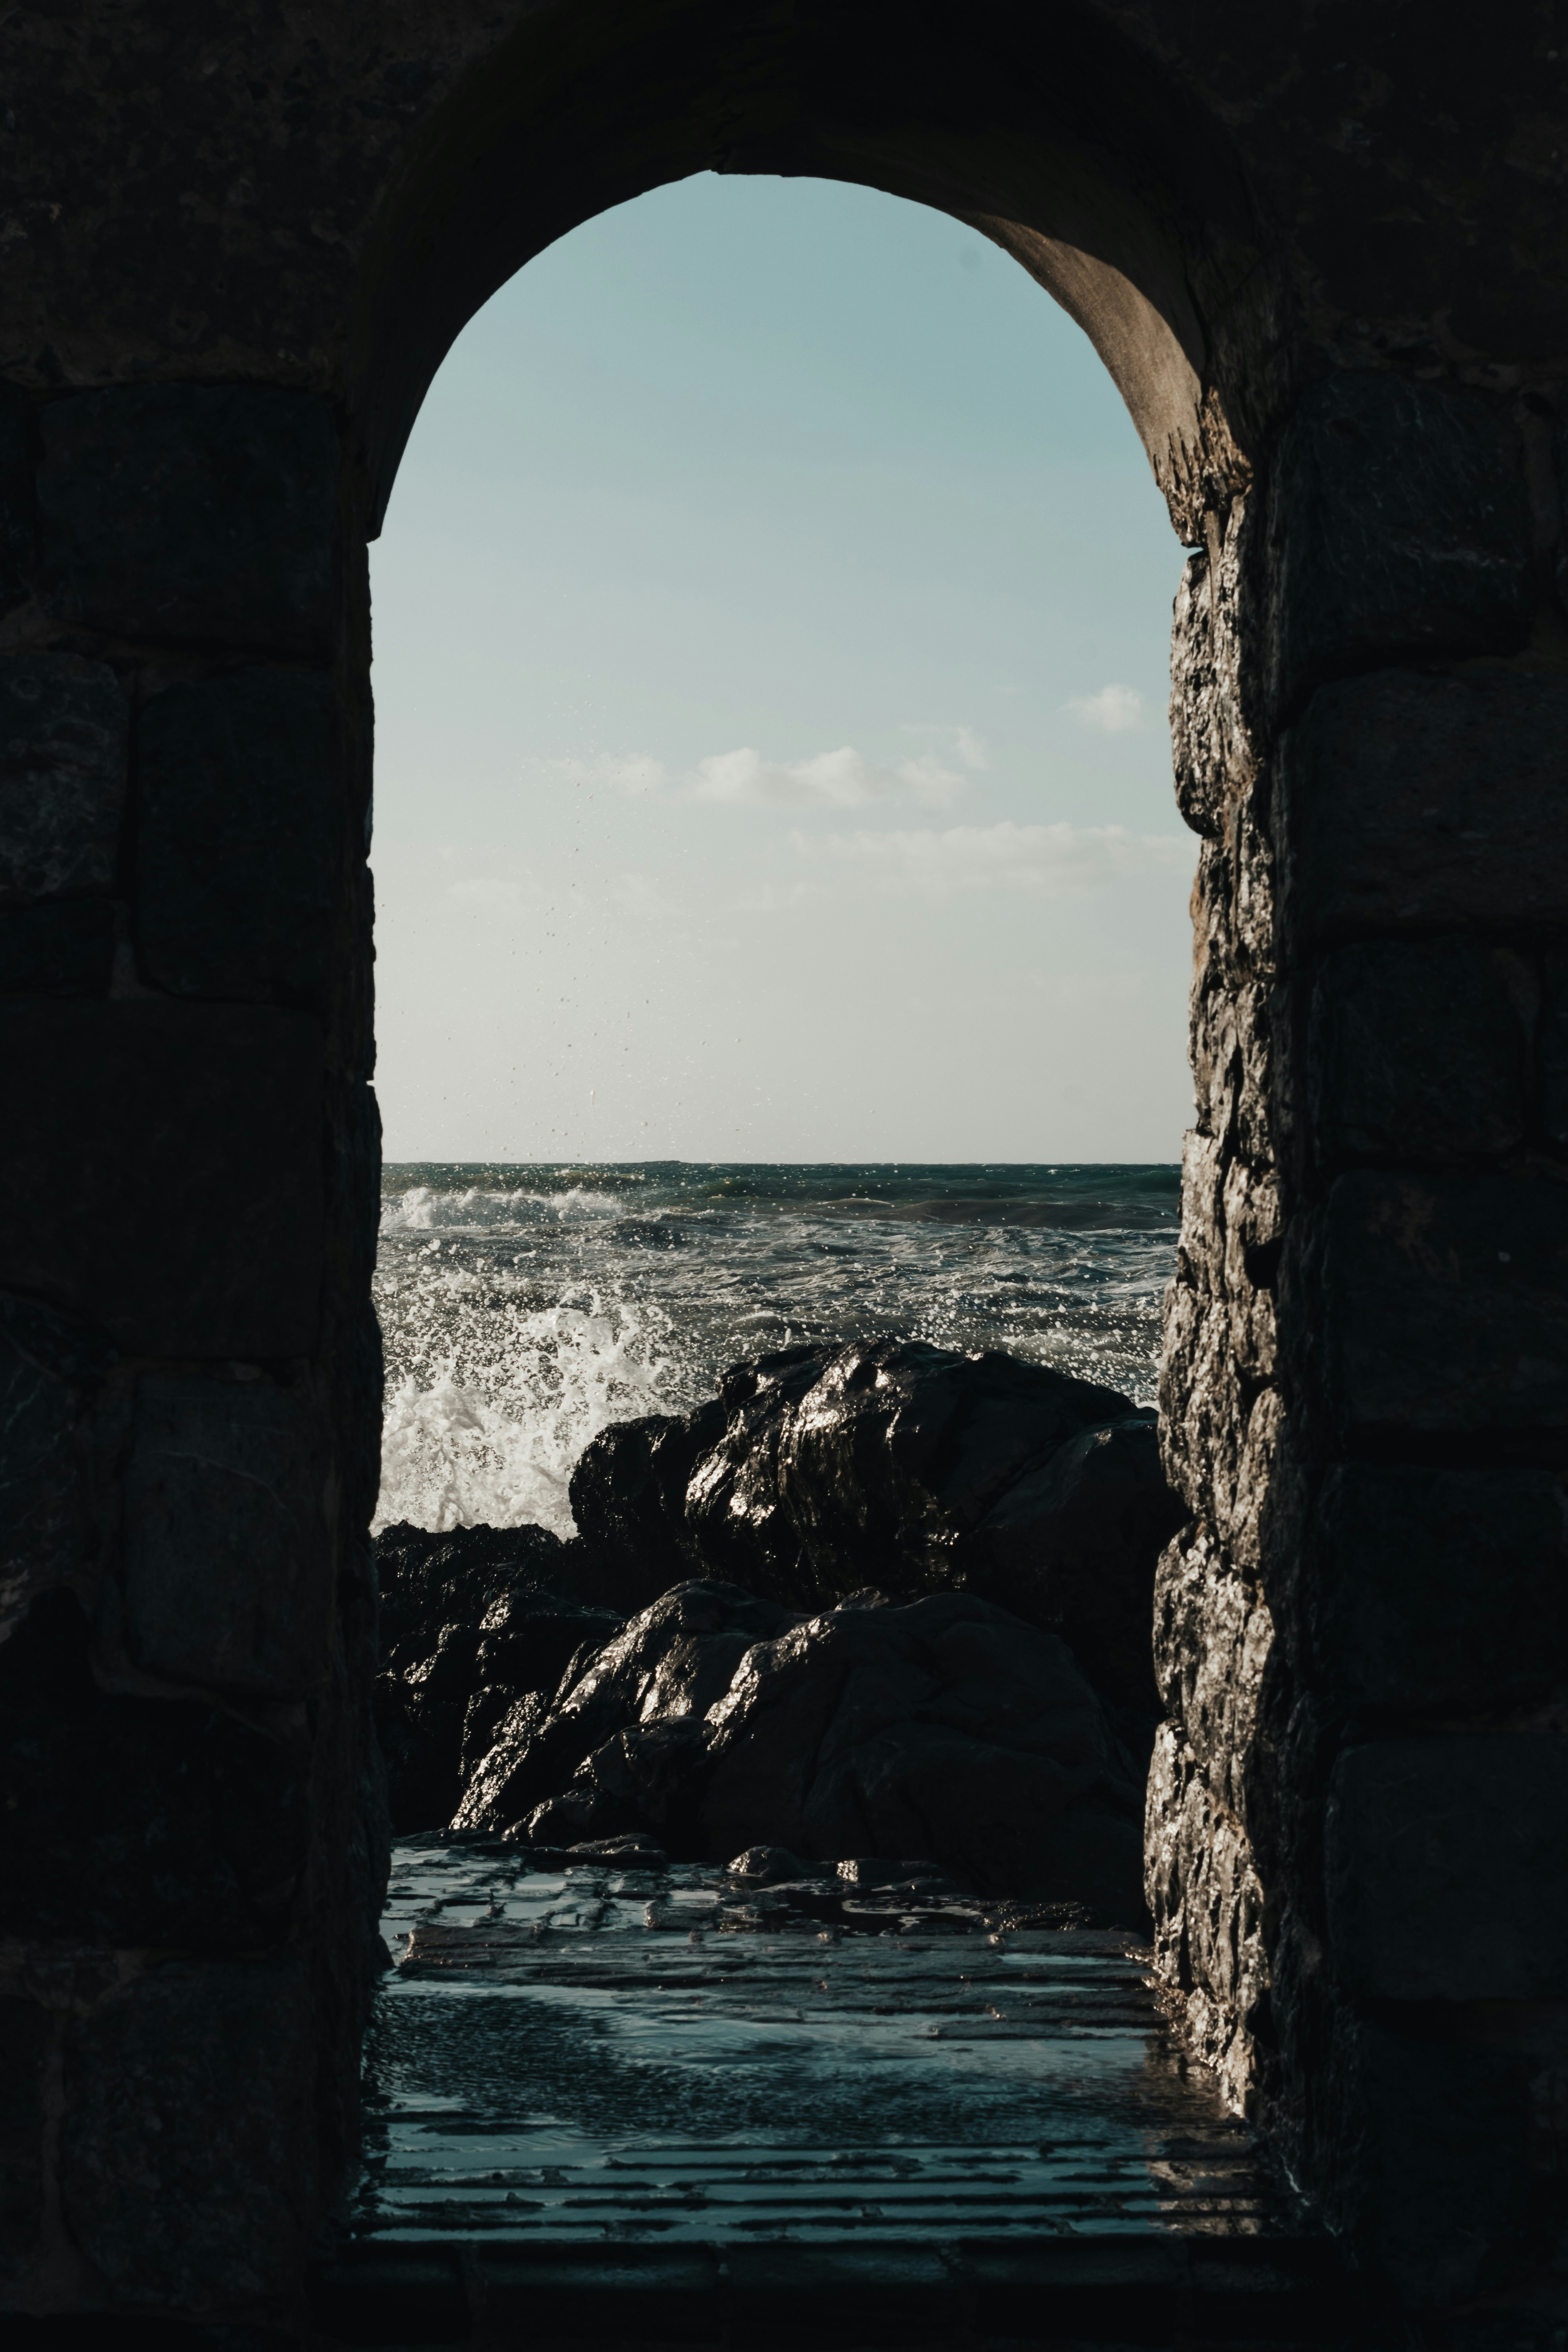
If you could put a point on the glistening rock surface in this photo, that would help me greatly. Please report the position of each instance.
(916, 1468)
(945, 1728)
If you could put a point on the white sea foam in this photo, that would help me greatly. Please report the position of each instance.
(521, 1319)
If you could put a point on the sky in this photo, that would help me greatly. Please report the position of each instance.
(772, 626)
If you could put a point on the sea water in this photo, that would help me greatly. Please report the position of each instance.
(523, 1309)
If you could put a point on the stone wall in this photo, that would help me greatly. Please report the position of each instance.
(194, 1840)
(1323, 252)
(1359, 1812)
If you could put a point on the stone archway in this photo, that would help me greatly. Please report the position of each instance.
(1338, 322)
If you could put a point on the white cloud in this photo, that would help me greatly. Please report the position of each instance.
(970, 748)
(1113, 710)
(1044, 861)
(841, 779)
(743, 779)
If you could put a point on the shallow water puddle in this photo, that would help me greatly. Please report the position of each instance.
(600, 2056)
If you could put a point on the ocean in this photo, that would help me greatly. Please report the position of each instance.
(525, 1307)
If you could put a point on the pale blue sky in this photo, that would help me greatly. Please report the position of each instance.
(770, 623)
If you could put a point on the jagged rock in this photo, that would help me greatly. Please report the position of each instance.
(668, 1664)
(943, 1727)
(768, 1865)
(881, 1470)
(469, 1633)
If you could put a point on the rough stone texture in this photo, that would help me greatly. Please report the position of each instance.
(163, 1175)
(822, 1469)
(945, 1728)
(1420, 1051)
(237, 836)
(1441, 1302)
(1424, 1581)
(65, 948)
(227, 1580)
(167, 2109)
(63, 729)
(1448, 1868)
(1401, 526)
(1414, 802)
(192, 515)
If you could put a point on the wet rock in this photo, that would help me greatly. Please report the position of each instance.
(628, 1499)
(471, 1633)
(944, 1729)
(1071, 1546)
(768, 1865)
(848, 1476)
(595, 1757)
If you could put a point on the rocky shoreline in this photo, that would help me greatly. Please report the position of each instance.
(883, 1607)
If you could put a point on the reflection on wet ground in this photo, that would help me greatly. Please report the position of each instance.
(598, 2055)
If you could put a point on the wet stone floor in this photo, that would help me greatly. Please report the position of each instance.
(596, 2055)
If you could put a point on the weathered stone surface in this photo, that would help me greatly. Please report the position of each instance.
(1419, 1051)
(1409, 802)
(628, 1501)
(945, 1728)
(1552, 1049)
(1424, 1582)
(228, 1573)
(1439, 1303)
(237, 835)
(473, 1620)
(137, 1822)
(1215, 753)
(1436, 2163)
(163, 1175)
(43, 1514)
(1400, 528)
(63, 729)
(188, 2151)
(25, 2032)
(1072, 1547)
(821, 1469)
(1448, 1868)
(18, 515)
(200, 514)
(65, 948)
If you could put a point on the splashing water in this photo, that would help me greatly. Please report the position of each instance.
(525, 1309)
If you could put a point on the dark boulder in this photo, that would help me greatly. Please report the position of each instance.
(468, 1630)
(945, 1727)
(1072, 1544)
(821, 1471)
(667, 1667)
(628, 1499)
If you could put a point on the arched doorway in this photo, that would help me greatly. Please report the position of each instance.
(1352, 414)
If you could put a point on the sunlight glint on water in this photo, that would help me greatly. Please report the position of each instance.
(525, 1309)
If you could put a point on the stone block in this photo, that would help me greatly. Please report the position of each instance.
(188, 2159)
(1434, 2168)
(1436, 1303)
(1418, 1049)
(1446, 1865)
(135, 1822)
(1410, 804)
(63, 729)
(64, 948)
(23, 2045)
(193, 514)
(42, 1528)
(1401, 529)
(1552, 1048)
(163, 1172)
(18, 512)
(236, 835)
(1439, 1590)
(228, 1574)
